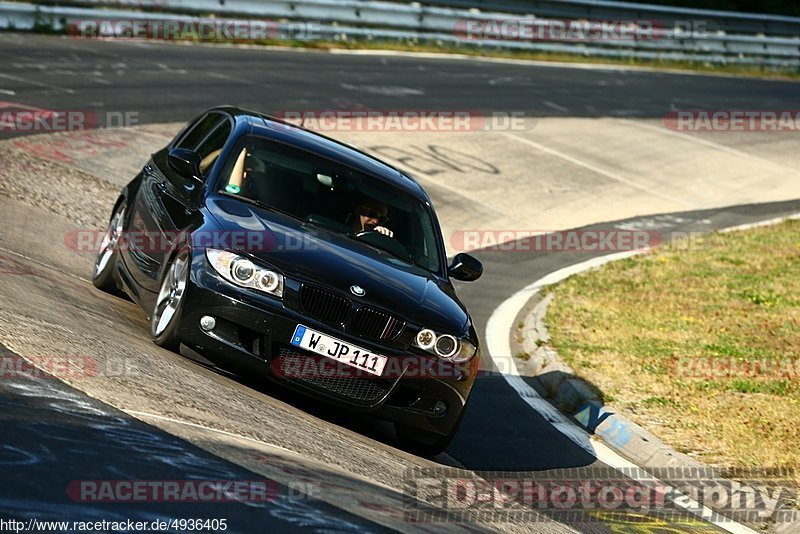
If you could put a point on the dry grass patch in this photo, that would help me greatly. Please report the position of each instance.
(644, 328)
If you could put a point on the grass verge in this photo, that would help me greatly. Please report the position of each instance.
(494, 52)
(491, 52)
(701, 346)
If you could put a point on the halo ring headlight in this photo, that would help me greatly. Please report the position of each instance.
(446, 346)
(245, 273)
(243, 270)
(268, 281)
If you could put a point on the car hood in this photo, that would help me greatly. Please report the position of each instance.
(309, 253)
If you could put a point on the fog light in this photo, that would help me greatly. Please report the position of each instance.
(426, 338)
(439, 408)
(207, 322)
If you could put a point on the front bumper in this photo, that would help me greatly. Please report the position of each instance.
(252, 335)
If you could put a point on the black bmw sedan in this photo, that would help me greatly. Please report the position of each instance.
(273, 250)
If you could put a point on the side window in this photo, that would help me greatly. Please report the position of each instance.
(185, 130)
(199, 131)
(210, 147)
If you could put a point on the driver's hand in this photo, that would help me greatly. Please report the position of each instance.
(383, 230)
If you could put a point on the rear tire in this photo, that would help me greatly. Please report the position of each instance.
(107, 255)
(166, 316)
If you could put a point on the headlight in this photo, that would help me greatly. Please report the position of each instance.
(243, 272)
(445, 346)
(269, 281)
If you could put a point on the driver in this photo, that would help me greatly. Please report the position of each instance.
(371, 215)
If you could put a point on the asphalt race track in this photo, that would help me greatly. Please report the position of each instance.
(156, 415)
(70, 74)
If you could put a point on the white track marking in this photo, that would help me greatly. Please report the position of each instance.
(387, 90)
(761, 224)
(642, 476)
(227, 77)
(37, 84)
(498, 329)
(597, 170)
(501, 322)
(45, 265)
(555, 106)
(146, 415)
(527, 62)
(706, 142)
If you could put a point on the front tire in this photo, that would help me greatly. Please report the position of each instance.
(166, 314)
(107, 255)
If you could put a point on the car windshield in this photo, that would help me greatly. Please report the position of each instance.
(334, 196)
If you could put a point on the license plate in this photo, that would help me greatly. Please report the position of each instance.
(338, 350)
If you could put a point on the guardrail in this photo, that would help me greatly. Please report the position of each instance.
(377, 20)
(726, 21)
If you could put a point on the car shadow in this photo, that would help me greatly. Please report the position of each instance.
(499, 430)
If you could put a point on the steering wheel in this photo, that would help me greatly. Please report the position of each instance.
(366, 232)
(383, 241)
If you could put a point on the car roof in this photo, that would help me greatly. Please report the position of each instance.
(279, 130)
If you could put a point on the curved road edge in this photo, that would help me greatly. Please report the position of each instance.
(570, 403)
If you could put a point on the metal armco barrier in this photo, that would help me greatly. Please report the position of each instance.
(726, 21)
(678, 39)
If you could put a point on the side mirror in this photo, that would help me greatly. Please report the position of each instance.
(465, 268)
(186, 163)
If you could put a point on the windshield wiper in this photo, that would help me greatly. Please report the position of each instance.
(260, 204)
(381, 249)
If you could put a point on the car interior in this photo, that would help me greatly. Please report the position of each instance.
(327, 194)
